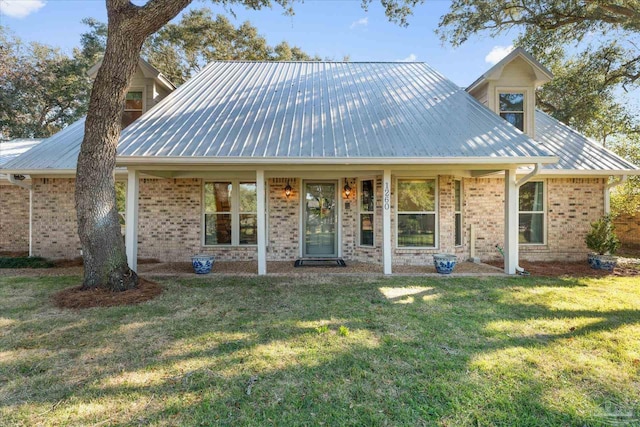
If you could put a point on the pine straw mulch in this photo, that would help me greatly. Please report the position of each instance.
(77, 298)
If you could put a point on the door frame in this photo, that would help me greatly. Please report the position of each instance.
(303, 219)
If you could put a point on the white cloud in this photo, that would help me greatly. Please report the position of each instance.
(362, 22)
(20, 8)
(411, 58)
(497, 53)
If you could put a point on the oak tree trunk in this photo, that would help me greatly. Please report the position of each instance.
(103, 251)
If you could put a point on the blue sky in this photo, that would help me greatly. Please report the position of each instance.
(329, 28)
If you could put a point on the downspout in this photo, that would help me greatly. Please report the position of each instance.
(528, 177)
(18, 182)
(607, 192)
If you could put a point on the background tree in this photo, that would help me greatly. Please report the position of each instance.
(41, 89)
(593, 50)
(179, 50)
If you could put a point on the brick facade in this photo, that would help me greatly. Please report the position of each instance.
(170, 220)
(14, 219)
(55, 230)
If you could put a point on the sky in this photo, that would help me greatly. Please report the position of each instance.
(328, 28)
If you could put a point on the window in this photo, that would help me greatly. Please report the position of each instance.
(230, 213)
(416, 218)
(132, 108)
(531, 213)
(512, 108)
(458, 211)
(367, 208)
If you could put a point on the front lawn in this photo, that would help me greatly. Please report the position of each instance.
(327, 351)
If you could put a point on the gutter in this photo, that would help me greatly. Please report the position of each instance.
(18, 182)
(607, 192)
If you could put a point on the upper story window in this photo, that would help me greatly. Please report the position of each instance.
(133, 108)
(512, 108)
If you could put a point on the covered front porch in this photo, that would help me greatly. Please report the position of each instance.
(391, 217)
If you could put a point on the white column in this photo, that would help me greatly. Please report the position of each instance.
(262, 226)
(510, 222)
(386, 220)
(131, 220)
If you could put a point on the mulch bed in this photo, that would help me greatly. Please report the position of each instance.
(77, 298)
(575, 269)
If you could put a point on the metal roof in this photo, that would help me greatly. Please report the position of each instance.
(575, 151)
(322, 110)
(186, 121)
(59, 151)
(9, 150)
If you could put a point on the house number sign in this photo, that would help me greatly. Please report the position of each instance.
(387, 196)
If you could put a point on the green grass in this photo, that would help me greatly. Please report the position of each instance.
(328, 351)
(25, 262)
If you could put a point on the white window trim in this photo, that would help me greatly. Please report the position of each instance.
(436, 234)
(461, 212)
(544, 214)
(527, 114)
(360, 212)
(234, 213)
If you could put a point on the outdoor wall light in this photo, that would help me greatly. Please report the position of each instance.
(347, 189)
(287, 190)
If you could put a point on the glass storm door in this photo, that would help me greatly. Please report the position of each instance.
(320, 238)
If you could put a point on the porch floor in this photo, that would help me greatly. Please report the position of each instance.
(286, 268)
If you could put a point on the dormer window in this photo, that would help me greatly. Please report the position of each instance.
(512, 108)
(132, 108)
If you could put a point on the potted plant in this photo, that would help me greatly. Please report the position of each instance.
(202, 263)
(444, 263)
(604, 243)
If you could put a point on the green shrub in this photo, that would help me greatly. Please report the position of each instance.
(602, 238)
(25, 262)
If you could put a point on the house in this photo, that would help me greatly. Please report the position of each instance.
(14, 199)
(385, 163)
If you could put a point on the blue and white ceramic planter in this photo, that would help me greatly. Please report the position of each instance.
(444, 263)
(602, 262)
(202, 263)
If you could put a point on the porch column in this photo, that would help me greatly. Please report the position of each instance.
(131, 221)
(386, 220)
(262, 226)
(510, 222)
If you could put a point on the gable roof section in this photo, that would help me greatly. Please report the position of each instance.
(313, 111)
(542, 73)
(576, 152)
(148, 70)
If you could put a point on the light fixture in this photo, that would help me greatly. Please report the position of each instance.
(347, 189)
(19, 177)
(287, 190)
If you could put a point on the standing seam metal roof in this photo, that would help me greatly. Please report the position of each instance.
(322, 110)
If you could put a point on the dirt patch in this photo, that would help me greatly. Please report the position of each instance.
(574, 269)
(77, 298)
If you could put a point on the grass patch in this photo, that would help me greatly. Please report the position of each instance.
(25, 262)
(338, 351)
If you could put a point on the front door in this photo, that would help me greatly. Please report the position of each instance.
(320, 220)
